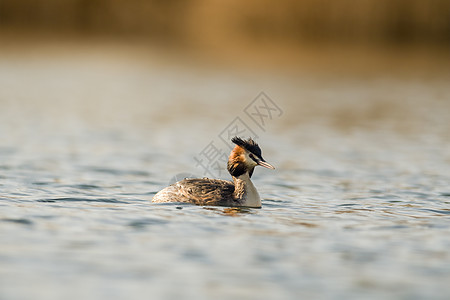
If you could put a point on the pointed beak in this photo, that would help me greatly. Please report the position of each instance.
(265, 164)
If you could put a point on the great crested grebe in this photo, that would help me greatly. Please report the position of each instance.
(245, 156)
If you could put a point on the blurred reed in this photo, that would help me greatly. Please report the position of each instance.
(197, 22)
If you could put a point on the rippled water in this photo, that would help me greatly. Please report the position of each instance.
(358, 207)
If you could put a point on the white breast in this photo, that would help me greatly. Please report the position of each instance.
(252, 198)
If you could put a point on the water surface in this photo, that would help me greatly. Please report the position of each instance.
(358, 207)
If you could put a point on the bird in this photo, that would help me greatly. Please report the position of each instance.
(240, 192)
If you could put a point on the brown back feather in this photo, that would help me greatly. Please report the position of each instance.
(205, 191)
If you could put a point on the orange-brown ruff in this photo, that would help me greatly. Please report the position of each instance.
(241, 192)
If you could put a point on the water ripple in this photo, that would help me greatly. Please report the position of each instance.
(18, 221)
(71, 199)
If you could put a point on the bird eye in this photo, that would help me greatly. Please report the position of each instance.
(252, 157)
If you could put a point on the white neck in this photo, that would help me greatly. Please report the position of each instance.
(250, 194)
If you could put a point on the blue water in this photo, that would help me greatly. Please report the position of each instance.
(357, 208)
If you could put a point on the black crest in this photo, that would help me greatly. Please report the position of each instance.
(249, 145)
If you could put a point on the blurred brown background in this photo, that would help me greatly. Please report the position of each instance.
(254, 30)
(288, 21)
(352, 61)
